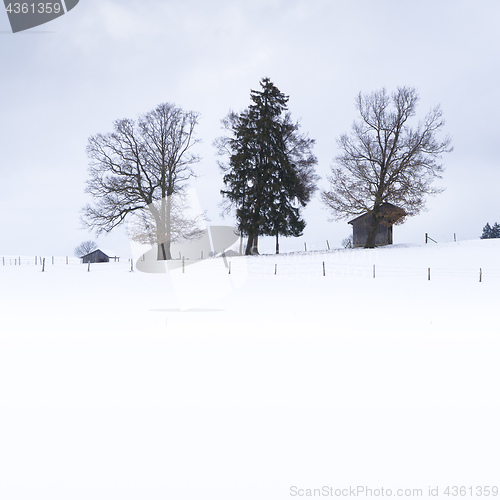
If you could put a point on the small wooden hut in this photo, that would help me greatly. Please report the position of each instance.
(98, 256)
(361, 226)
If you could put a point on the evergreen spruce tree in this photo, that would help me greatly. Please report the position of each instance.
(292, 183)
(270, 174)
(241, 176)
(486, 232)
(491, 232)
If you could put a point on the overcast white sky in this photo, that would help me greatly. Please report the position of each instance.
(110, 59)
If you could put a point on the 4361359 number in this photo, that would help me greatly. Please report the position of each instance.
(34, 8)
(471, 491)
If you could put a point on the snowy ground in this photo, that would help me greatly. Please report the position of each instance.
(255, 384)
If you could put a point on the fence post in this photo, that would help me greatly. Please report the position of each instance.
(480, 275)
(426, 238)
(275, 269)
(43, 265)
(66, 259)
(305, 246)
(183, 264)
(131, 265)
(88, 268)
(428, 273)
(455, 237)
(229, 265)
(324, 271)
(327, 244)
(374, 270)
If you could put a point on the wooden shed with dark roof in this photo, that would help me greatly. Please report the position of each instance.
(361, 225)
(98, 256)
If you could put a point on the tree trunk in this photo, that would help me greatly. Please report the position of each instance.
(164, 228)
(277, 244)
(252, 245)
(168, 222)
(255, 246)
(372, 233)
(164, 250)
(248, 249)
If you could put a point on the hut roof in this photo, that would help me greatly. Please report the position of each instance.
(390, 214)
(106, 252)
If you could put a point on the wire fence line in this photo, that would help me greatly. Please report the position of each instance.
(374, 271)
(287, 246)
(334, 264)
(12, 260)
(449, 237)
(304, 244)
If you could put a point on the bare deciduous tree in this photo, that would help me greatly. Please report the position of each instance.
(85, 248)
(138, 168)
(142, 226)
(348, 242)
(385, 160)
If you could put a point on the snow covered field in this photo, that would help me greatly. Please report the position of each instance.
(260, 383)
